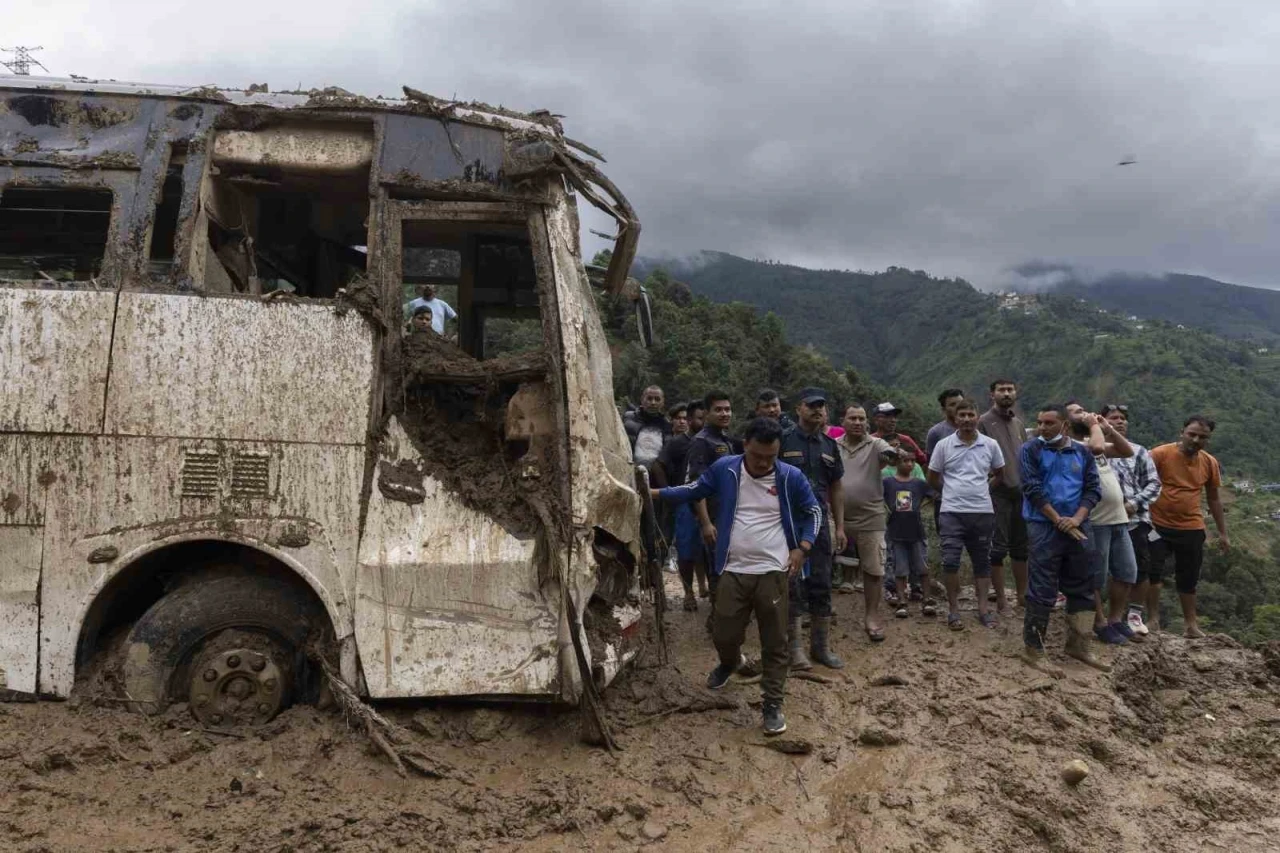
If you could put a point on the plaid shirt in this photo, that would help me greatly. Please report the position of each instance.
(1139, 481)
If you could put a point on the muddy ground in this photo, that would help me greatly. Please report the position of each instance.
(1182, 741)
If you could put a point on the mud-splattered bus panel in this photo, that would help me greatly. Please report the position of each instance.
(207, 357)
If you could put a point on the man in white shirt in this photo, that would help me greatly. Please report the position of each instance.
(767, 523)
(962, 467)
(440, 310)
(648, 428)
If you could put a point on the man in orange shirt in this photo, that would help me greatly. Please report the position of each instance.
(1185, 468)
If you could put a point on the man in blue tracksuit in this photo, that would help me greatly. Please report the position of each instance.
(1060, 487)
(766, 524)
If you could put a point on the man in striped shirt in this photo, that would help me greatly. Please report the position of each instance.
(1140, 482)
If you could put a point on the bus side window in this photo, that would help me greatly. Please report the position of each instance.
(53, 233)
(484, 273)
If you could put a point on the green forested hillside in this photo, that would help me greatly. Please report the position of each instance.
(864, 319)
(1230, 310)
(704, 345)
(918, 334)
(1064, 349)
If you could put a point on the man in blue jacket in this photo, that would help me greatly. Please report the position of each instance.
(1060, 487)
(767, 521)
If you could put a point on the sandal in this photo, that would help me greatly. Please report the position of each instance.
(930, 608)
(875, 635)
(901, 612)
(988, 620)
(954, 622)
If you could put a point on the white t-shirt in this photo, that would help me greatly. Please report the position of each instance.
(965, 469)
(648, 444)
(757, 543)
(1110, 510)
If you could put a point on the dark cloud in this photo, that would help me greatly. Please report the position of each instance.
(960, 137)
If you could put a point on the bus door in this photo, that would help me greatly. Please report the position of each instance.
(455, 596)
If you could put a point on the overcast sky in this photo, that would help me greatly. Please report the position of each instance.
(962, 138)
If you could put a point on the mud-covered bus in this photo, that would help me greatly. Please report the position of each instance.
(220, 442)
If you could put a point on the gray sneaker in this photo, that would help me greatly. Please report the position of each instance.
(774, 722)
(719, 677)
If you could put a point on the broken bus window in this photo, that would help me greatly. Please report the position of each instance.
(164, 229)
(287, 208)
(53, 233)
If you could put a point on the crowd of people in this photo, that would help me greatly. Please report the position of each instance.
(769, 522)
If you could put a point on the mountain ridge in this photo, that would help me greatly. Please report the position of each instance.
(912, 332)
(1231, 310)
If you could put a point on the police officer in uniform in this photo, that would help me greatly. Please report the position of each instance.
(808, 447)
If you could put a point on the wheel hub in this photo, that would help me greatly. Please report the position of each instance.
(238, 687)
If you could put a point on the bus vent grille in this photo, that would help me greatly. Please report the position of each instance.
(250, 474)
(200, 474)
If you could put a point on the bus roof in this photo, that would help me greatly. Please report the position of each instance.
(258, 96)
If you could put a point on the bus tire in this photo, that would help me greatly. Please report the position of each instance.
(230, 643)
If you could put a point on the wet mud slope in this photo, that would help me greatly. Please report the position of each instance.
(931, 741)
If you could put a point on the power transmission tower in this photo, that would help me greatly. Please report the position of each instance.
(22, 59)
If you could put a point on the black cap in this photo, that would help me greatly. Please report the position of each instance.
(810, 396)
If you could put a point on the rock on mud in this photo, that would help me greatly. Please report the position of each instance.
(653, 831)
(1074, 772)
(878, 737)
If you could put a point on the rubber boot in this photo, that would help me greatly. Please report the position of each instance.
(795, 641)
(819, 650)
(1035, 625)
(1079, 630)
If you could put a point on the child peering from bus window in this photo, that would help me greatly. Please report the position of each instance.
(421, 319)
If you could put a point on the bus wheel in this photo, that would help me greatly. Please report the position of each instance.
(229, 643)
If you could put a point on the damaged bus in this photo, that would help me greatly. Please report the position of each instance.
(220, 443)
